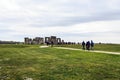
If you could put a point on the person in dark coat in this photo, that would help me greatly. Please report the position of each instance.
(88, 45)
(83, 45)
(52, 43)
(47, 43)
(92, 45)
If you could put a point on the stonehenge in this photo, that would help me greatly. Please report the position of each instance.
(37, 40)
(46, 40)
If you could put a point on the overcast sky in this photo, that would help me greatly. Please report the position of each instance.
(72, 20)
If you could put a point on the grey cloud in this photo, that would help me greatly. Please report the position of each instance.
(61, 21)
(94, 11)
(5, 30)
(64, 13)
(92, 34)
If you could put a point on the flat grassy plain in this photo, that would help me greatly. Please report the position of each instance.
(101, 47)
(29, 62)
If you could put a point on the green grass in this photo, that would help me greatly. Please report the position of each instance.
(24, 61)
(108, 47)
(102, 47)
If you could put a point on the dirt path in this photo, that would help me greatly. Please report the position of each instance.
(107, 52)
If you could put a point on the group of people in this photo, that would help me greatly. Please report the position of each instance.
(88, 45)
(50, 43)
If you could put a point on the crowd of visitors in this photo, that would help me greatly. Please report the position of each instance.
(88, 45)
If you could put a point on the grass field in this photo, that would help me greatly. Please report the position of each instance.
(102, 47)
(24, 62)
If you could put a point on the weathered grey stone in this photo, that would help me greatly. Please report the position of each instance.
(40, 40)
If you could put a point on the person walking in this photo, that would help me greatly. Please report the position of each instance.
(52, 43)
(83, 45)
(92, 45)
(88, 45)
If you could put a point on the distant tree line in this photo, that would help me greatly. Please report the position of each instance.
(10, 42)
